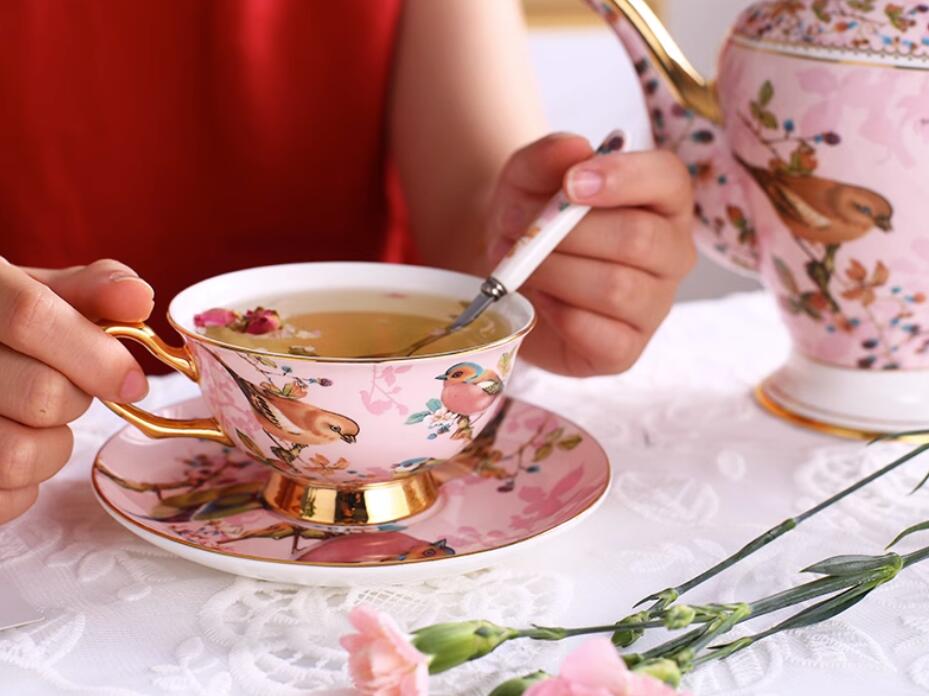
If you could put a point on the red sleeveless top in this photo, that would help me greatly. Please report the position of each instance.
(192, 138)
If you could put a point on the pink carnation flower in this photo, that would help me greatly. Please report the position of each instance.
(382, 661)
(215, 317)
(595, 669)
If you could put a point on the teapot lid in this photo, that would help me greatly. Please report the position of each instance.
(883, 32)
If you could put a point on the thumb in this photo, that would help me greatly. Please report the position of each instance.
(539, 168)
(531, 176)
(105, 289)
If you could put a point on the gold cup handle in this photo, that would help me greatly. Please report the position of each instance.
(178, 358)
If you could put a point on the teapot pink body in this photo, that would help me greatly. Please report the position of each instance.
(810, 158)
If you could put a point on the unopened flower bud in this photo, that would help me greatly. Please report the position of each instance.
(516, 687)
(679, 616)
(215, 317)
(625, 637)
(261, 321)
(665, 670)
(451, 644)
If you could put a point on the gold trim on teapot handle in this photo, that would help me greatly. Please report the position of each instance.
(177, 358)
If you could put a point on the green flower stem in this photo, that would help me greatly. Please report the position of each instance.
(781, 600)
(915, 557)
(704, 615)
(814, 614)
(666, 597)
(855, 587)
(553, 633)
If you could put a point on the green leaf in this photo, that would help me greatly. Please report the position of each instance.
(851, 564)
(819, 273)
(921, 527)
(766, 93)
(267, 362)
(417, 417)
(505, 363)
(920, 484)
(786, 276)
(554, 435)
(769, 120)
(249, 444)
(570, 442)
(823, 611)
(433, 405)
(544, 452)
(819, 7)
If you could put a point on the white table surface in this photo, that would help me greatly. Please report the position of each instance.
(698, 470)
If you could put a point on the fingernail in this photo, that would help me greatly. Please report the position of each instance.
(134, 386)
(127, 276)
(559, 135)
(584, 183)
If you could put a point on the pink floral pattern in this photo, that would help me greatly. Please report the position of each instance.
(872, 27)
(527, 472)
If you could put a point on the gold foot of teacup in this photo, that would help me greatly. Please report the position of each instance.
(376, 503)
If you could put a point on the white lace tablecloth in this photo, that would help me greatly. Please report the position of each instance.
(698, 470)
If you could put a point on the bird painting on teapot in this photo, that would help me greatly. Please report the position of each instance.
(772, 169)
(809, 155)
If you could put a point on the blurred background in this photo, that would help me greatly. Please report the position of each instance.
(589, 87)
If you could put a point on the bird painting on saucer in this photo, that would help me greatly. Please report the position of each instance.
(469, 390)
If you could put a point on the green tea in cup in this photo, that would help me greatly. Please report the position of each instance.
(349, 324)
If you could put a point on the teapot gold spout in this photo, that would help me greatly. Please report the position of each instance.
(690, 88)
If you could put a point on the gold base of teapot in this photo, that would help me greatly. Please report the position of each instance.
(376, 503)
(773, 407)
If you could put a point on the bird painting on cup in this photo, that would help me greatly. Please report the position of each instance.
(819, 212)
(468, 391)
(286, 419)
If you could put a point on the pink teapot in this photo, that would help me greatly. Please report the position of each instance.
(810, 158)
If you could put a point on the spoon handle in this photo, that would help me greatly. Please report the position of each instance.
(556, 220)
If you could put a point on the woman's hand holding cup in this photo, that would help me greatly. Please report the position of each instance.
(54, 359)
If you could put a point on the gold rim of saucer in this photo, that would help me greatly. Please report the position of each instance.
(361, 505)
(770, 405)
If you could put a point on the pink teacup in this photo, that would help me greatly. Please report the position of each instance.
(350, 440)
